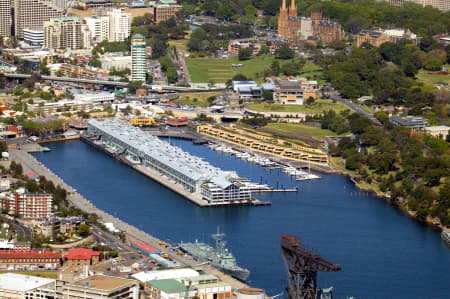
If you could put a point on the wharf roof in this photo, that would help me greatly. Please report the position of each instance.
(104, 283)
(22, 283)
(81, 254)
(168, 286)
(150, 146)
(145, 246)
(5, 254)
(165, 274)
(212, 285)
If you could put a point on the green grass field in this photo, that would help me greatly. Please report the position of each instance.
(318, 106)
(45, 274)
(299, 129)
(432, 77)
(219, 70)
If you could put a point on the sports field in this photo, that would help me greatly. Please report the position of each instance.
(219, 70)
(300, 129)
(433, 77)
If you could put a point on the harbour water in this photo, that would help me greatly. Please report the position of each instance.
(383, 253)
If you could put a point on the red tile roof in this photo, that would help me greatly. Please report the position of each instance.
(81, 254)
(12, 254)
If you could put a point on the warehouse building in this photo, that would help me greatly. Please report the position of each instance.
(204, 181)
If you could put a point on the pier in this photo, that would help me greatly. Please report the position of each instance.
(275, 190)
(166, 182)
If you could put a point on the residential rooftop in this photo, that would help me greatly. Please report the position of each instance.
(22, 283)
(104, 283)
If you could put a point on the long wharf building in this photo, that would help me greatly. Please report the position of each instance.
(200, 179)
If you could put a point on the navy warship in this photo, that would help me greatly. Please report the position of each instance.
(219, 257)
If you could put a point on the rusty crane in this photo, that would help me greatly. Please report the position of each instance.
(302, 267)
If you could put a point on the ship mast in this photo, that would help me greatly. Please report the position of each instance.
(218, 237)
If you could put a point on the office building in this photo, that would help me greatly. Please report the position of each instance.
(63, 4)
(33, 14)
(98, 287)
(118, 63)
(202, 180)
(119, 25)
(96, 98)
(98, 27)
(64, 33)
(294, 92)
(28, 205)
(438, 131)
(5, 18)
(410, 121)
(138, 61)
(29, 259)
(165, 10)
(19, 286)
(34, 37)
(82, 257)
(376, 37)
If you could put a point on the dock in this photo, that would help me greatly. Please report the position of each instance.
(275, 190)
(166, 182)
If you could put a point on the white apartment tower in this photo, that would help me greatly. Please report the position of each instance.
(442, 5)
(119, 25)
(64, 33)
(5, 18)
(33, 14)
(138, 64)
(98, 27)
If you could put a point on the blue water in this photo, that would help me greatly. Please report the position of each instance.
(383, 253)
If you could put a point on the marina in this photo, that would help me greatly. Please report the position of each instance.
(299, 174)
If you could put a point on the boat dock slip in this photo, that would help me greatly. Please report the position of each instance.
(276, 190)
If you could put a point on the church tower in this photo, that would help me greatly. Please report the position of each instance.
(293, 9)
(283, 20)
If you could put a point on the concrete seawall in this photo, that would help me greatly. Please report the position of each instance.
(30, 164)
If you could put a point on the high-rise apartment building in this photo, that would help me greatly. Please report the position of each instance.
(98, 27)
(61, 3)
(28, 205)
(5, 18)
(33, 14)
(138, 53)
(442, 5)
(119, 25)
(64, 33)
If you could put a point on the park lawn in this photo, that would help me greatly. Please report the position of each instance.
(319, 106)
(219, 70)
(188, 98)
(432, 77)
(303, 130)
(181, 45)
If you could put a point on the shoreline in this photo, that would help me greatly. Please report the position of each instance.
(435, 224)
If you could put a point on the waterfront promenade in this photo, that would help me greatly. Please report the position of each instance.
(30, 164)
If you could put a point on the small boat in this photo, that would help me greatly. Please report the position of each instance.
(445, 235)
(45, 149)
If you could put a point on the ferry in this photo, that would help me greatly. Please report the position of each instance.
(45, 149)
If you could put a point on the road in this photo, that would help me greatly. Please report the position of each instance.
(21, 230)
(355, 107)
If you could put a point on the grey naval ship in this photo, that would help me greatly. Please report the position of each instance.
(219, 257)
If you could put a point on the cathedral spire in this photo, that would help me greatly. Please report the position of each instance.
(283, 6)
(293, 9)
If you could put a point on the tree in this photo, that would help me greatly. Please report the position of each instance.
(245, 53)
(95, 62)
(267, 95)
(84, 230)
(275, 67)
(149, 79)
(133, 85)
(284, 52)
